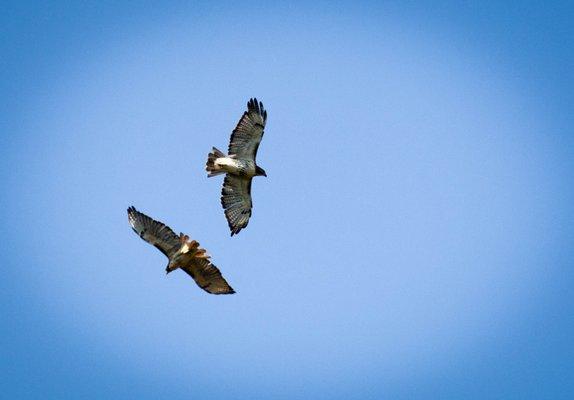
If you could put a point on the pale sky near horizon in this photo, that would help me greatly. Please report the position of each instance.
(413, 238)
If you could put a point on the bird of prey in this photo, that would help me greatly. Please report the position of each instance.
(181, 252)
(239, 165)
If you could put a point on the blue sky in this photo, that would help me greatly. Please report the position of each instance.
(413, 239)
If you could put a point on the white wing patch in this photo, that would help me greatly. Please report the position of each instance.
(184, 249)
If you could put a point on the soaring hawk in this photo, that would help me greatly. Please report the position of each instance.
(181, 252)
(239, 165)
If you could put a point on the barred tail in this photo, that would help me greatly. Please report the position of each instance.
(211, 168)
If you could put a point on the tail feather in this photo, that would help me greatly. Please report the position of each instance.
(211, 168)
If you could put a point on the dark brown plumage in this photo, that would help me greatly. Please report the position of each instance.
(180, 252)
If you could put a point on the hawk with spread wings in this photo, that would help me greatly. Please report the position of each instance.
(181, 252)
(239, 165)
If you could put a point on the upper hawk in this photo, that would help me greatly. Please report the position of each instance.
(239, 165)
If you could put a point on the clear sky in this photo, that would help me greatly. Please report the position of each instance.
(413, 239)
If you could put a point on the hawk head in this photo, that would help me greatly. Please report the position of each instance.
(260, 172)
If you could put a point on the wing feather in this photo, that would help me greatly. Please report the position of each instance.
(207, 276)
(236, 201)
(248, 133)
(154, 232)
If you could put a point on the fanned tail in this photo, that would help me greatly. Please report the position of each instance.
(211, 168)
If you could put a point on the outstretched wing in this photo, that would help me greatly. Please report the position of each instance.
(207, 276)
(154, 232)
(248, 133)
(236, 201)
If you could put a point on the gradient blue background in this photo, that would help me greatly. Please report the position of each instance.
(414, 238)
